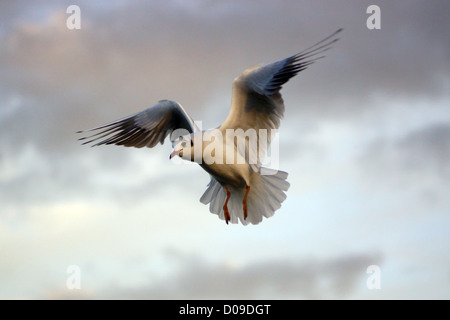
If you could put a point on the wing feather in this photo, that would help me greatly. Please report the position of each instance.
(256, 100)
(143, 129)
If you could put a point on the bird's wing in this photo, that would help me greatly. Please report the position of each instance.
(256, 100)
(145, 128)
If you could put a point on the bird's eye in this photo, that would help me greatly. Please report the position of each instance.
(183, 144)
(192, 143)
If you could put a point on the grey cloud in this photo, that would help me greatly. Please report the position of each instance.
(36, 180)
(285, 278)
(151, 50)
(425, 150)
(428, 148)
(417, 164)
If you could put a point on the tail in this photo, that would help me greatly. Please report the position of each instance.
(266, 194)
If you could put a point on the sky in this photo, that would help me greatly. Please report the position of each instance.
(365, 140)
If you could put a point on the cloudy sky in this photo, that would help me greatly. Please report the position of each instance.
(365, 139)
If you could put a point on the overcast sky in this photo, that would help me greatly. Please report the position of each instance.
(365, 139)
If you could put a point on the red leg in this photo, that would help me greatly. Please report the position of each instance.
(225, 208)
(247, 189)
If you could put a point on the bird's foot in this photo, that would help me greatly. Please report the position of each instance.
(225, 207)
(226, 214)
(247, 189)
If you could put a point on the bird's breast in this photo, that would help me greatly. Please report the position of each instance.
(233, 175)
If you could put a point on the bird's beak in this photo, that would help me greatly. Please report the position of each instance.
(175, 153)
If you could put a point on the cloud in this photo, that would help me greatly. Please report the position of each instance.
(196, 278)
(427, 148)
(415, 164)
(420, 152)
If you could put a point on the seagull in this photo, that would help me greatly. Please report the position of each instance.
(241, 188)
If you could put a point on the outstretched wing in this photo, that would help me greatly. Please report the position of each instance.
(143, 129)
(256, 100)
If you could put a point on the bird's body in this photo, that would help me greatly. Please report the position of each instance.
(234, 175)
(240, 188)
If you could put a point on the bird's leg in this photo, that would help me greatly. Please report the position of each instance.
(225, 208)
(247, 189)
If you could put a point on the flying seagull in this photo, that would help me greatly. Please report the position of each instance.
(241, 189)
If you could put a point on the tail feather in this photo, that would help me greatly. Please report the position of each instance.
(267, 192)
(217, 205)
(277, 191)
(210, 192)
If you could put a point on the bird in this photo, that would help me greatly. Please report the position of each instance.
(241, 189)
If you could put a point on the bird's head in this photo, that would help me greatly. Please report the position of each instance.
(184, 148)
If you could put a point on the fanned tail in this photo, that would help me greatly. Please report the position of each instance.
(267, 193)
